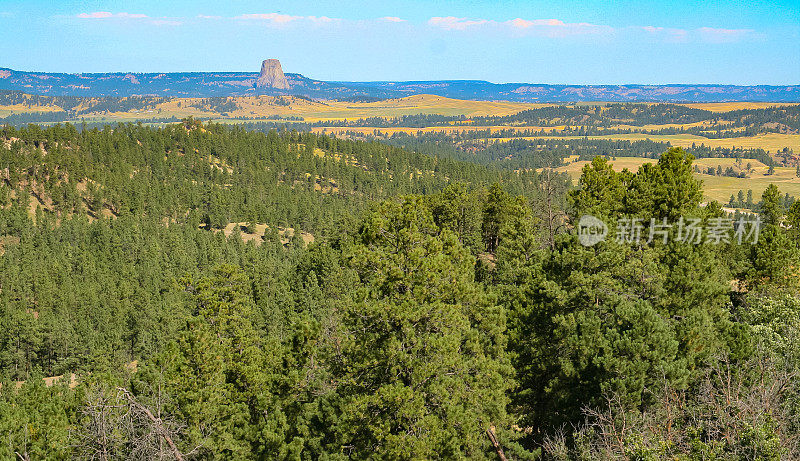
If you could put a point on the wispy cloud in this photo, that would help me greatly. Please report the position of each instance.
(322, 19)
(556, 27)
(110, 15)
(666, 34)
(714, 35)
(517, 27)
(107, 15)
(271, 17)
(543, 27)
(454, 23)
(6, 14)
(525, 23)
(702, 34)
(278, 18)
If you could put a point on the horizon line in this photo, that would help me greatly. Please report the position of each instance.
(413, 80)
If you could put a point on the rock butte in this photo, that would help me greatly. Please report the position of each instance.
(272, 75)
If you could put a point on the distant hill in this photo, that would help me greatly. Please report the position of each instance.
(207, 84)
(178, 84)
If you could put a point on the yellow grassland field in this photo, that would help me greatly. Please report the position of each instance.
(310, 110)
(727, 106)
(319, 110)
(770, 142)
(719, 188)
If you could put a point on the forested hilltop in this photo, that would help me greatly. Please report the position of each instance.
(201, 291)
(215, 174)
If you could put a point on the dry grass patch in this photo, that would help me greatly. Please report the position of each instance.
(254, 107)
(7, 241)
(719, 188)
(729, 106)
(388, 131)
(770, 142)
(255, 232)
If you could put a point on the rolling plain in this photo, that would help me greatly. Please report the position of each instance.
(380, 118)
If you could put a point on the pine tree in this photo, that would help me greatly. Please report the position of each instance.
(425, 370)
(601, 190)
(578, 315)
(222, 374)
(771, 205)
(666, 190)
(773, 260)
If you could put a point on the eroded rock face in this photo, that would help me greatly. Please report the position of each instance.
(272, 75)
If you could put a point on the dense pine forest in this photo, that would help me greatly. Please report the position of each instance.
(203, 291)
(524, 153)
(601, 115)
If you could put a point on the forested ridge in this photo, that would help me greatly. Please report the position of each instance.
(544, 152)
(218, 174)
(608, 116)
(445, 309)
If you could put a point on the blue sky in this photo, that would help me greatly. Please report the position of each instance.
(578, 42)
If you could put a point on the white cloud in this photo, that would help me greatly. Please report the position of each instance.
(667, 34)
(96, 15)
(714, 35)
(542, 27)
(702, 34)
(110, 15)
(555, 27)
(130, 16)
(321, 19)
(678, 35)
(519, 27)
(454, 23)
(525, 23)
(145, 19)
(278, 18)
(271, 17)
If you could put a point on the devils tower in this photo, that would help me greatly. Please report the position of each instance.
(272, 75)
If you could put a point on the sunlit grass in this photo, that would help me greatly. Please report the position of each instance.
(719, 188)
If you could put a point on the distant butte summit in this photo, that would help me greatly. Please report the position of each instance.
(271, 75)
